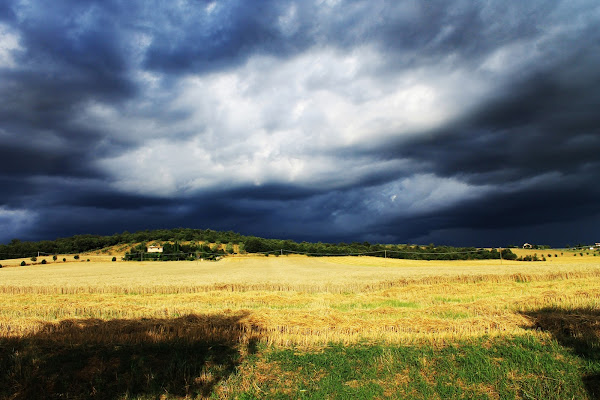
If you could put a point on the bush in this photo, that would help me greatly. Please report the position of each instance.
(114, 258)
(44, 261)
(64, 260)
(508, 255)
(34, 259)
(76, 257)
(531, 258)
(23, 263)
(0, 265)
(54, 257)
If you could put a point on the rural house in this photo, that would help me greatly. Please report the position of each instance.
(155, 249)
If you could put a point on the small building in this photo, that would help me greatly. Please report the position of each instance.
(527, 246)
(155, 249)
(597, 244)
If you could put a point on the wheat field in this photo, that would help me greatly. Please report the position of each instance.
(290, 300)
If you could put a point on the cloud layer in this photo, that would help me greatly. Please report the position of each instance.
(456, 122)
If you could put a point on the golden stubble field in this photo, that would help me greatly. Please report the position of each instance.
(291, 300)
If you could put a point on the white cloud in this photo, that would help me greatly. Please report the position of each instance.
(512, 58)
(365, 208)
(426, 192)
(9, 43)
(170, 168)
(418, 194)
(277, 120)
(210, 7)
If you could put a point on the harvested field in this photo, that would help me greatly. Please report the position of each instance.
(297, 300)
(300, 327)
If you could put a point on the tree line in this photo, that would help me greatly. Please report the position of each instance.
(184, 238)
(83, 243)
(404, 251)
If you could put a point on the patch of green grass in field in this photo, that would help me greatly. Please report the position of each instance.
(452, 314)
(443, 299)
(511, 368)
(374, 305)
(260, 306)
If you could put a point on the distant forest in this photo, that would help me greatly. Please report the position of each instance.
(181, 238)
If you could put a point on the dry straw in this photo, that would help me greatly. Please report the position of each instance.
(288, 300)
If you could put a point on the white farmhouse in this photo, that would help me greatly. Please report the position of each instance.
(155, 249)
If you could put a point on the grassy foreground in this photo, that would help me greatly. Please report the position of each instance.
(297, 327)
(507, 368)
(525, 367)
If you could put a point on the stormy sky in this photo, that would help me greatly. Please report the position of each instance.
(452, 122)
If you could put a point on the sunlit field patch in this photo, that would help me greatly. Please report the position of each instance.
(302, 300)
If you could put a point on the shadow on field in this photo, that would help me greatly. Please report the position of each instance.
(577, 329)
(145, 358)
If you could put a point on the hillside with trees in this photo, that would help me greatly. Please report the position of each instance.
(181, 243)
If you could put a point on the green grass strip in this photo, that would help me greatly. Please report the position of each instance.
(509, 368)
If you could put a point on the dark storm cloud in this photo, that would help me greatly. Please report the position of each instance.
(467, 30)
(544, 122)
(21, 161)
(70, 52)
(16, 191)
(328, 120)
(507, 212)
(67, 55)
(412, 33)
(208, 39)
(108, 213)
(539, 140)
(271, 192)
